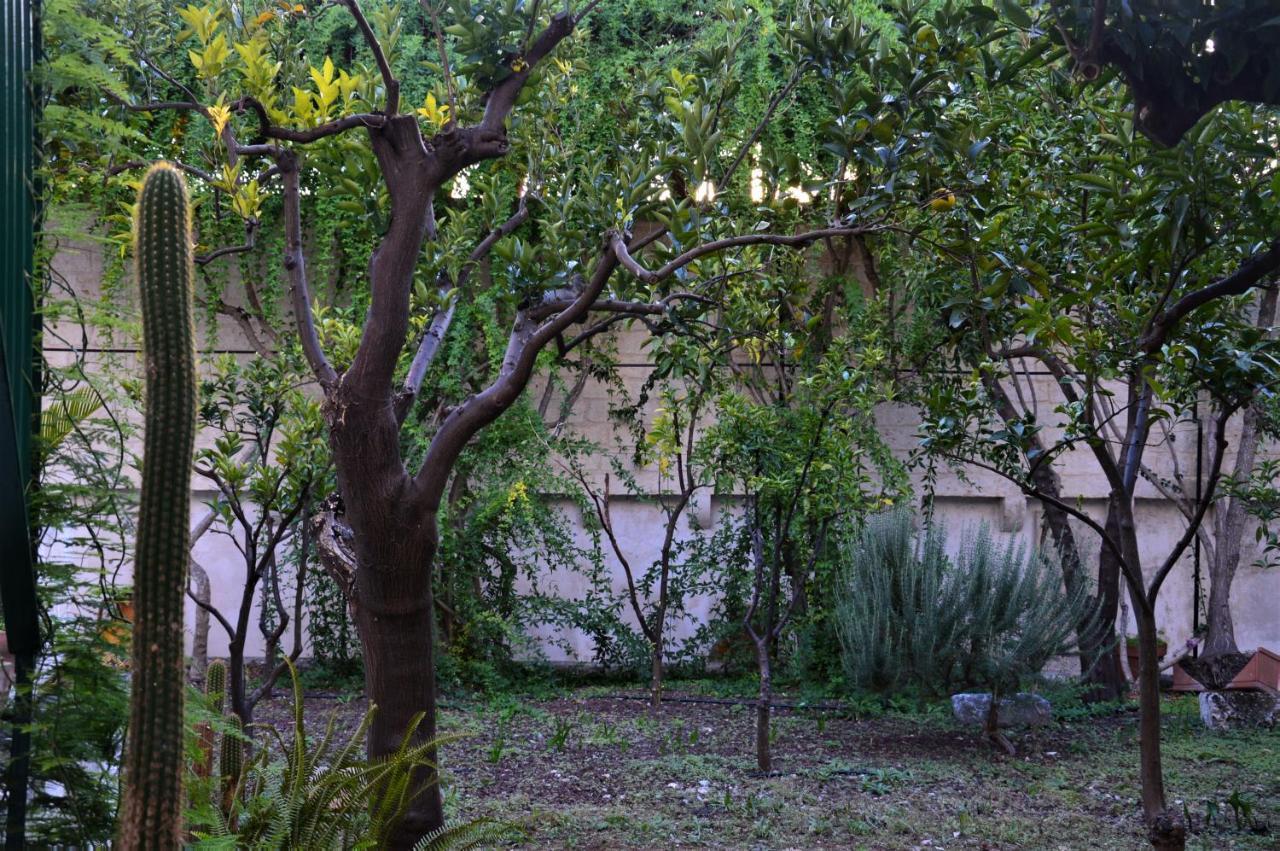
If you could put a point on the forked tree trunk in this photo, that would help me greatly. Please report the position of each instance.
(1165, 828)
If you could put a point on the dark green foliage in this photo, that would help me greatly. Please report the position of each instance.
(80, 698)
(909, 616)
(153, 765)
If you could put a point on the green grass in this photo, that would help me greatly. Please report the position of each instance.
(625, 779)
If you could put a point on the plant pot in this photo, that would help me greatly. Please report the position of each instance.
(116, 631)
(1261, 672)
(1132, 652)
(1182, 681)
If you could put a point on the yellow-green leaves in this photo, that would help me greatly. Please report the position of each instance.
(327, 89)
(210, 61)
(331, 87)
(435, 113)
(247, 200)
(202, 22)
(259, 72)
(219, 115)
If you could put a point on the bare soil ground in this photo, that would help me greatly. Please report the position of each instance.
(593, 769)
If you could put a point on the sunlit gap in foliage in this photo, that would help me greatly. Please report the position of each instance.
(462, 185)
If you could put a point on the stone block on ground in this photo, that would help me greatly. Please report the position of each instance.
(1021, 709)
(1239, 710)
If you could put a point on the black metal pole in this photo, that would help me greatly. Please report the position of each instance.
(18, 772)
(1197, 591)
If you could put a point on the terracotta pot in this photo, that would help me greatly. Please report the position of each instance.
(117, 630)
(1131, 650)
(1262, 672)
(1182, 681)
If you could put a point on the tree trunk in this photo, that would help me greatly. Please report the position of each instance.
(764, 759)
(1220, 636)
(200, 638)
(1166, 830)
(655, 677)
(395, 619)
(1104, 675)
(236, 689)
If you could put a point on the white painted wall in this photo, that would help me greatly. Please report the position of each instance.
(977, 496)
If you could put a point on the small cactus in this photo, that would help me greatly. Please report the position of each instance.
(215, 685)
(215, 692)
(153, 798)
(231, 764)
(231, 757)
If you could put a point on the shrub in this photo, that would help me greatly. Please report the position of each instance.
(910, 617)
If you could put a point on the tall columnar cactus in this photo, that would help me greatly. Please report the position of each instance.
(215, 685)
(152, 812)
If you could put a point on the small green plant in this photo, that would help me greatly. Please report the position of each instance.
(560, 735)
(1242, 809)
(495, 750)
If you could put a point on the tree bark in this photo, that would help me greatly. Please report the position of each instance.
(395, 620)
(655, 676)
(200, 638)
(1104, 676)
(1098, 665)
(764, 756)
(1220, 637)
(1166, 829)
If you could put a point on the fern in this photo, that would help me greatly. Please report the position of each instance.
(469, 835)
(294, 794)
(65, 413)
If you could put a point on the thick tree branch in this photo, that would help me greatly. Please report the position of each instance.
(503, 97)
(527, 340)
(1250, 274)
(295, 266)
(799, 240)
(389, 80)
(439, 325)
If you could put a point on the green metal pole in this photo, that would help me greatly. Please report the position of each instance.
(19, 402)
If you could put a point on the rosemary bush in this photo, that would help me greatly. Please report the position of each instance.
(912, 618)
